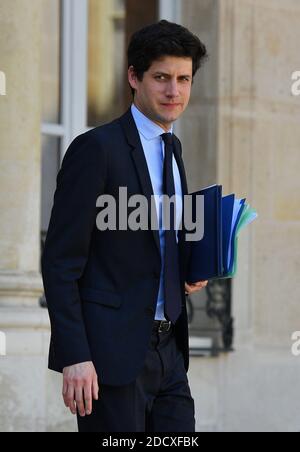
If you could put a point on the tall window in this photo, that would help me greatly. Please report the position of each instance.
(51, 105)
(84, 74)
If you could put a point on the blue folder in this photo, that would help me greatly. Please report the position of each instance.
(215, 255)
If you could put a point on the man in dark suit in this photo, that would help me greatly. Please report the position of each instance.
(116, 296)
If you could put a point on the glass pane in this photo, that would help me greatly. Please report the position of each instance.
(106, 60)
(50, 167)
(51, 44)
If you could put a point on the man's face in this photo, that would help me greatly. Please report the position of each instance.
(165, 90)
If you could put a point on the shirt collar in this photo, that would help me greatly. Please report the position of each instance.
(145, 126)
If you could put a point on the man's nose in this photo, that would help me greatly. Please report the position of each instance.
(172, 88)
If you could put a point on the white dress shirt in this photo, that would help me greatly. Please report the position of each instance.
(154, 150)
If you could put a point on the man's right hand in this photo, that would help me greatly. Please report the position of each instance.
(80, 387)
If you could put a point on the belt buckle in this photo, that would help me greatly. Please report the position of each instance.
(162, 323)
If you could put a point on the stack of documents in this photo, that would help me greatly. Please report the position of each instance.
(215, 255)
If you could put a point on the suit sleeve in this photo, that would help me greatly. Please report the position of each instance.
(80, 181)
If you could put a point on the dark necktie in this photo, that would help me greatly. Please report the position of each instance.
(171, 268)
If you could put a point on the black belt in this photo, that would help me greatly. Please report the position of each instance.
(162, 326)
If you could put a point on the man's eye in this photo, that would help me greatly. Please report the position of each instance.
(160, 77)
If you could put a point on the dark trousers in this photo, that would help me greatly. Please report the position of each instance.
(159, 400)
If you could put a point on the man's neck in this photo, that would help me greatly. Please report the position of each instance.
(166, 128)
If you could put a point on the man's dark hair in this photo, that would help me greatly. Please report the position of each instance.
(163, 39)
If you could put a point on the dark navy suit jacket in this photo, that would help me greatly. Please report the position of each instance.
(102, 286)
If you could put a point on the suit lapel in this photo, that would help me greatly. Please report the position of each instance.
(140, 162)
(184, 246)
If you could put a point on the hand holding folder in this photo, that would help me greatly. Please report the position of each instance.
(215, 255)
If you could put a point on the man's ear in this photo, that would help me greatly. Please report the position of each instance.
(132, 77)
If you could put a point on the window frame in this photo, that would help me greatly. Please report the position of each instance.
(74, 22)
(74, 55)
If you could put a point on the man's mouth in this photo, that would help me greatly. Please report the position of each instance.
(171, 105)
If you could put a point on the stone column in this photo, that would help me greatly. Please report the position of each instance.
(23, 322)
(20, 283)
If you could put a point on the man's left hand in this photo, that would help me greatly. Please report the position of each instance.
(195, 287)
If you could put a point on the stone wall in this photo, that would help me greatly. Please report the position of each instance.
(242, 131)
